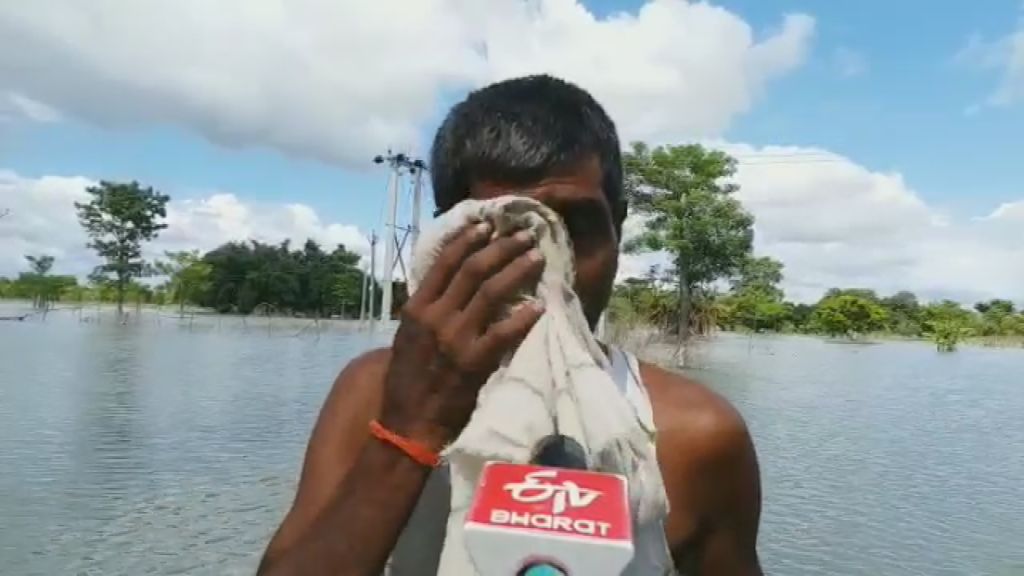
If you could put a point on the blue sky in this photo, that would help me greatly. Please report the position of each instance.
(905, 111)
(892, 88)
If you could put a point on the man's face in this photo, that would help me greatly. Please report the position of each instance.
(577, 195)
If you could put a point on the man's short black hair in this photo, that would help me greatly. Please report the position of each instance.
(518, 131)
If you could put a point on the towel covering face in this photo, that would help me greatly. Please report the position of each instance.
(558, 380)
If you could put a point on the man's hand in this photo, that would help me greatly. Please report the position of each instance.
(355, 497)
(454, 332)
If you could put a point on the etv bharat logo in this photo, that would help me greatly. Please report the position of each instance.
(535, 488)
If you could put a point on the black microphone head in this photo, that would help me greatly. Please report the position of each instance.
(559, 451)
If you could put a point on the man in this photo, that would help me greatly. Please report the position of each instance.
(550, 140)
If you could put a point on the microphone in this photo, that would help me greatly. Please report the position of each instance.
(549, 518)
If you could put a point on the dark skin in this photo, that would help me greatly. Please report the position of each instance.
(357, 493)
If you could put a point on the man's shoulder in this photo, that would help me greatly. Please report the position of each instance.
(706, 456)
(687, 411)
(700, 434)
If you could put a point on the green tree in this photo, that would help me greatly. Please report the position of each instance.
(998, 318)
(848, 315)
(757, 310)
(346, 283)
(947, 324)
(904, 313)
(39, 285)
(1000, 307)
(948, 333)
(642, 302)
(119, 218)
(685, 195)
(863, 293)
(310, 281)
(41, 265)
(759, 274)
(188, 277)
(756, 302)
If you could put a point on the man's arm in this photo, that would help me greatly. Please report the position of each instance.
(355, 495)
(731, 489)
(711, 476)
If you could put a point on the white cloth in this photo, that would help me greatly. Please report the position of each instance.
(557, 381)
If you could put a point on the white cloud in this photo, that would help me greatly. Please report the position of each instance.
(15, 106)
(850, 63)
(834, 223)
(343, 79)
(1003, 55)
(42, 220)
(1011, 211)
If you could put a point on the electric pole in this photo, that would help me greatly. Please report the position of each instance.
(398, 165)
(370, 281)
(417, 191)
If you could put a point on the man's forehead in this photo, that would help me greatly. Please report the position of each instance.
(580, 183)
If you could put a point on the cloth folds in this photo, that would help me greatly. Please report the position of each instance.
(556, 381)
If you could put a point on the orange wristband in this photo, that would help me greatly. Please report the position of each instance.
(420, 453)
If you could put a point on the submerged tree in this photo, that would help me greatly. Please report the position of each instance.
(244, 276)
(188, 277)
(848, 315)
(685, 197)
(119, 218)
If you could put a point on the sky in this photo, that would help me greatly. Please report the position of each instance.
(879, 143)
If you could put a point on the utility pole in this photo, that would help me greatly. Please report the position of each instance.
(417, 192)
(390, 245)
(371, 278)
(362, 297)
(396, 163)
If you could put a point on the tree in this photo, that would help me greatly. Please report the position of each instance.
(904, 313)
(998, 317)
(756, 301)
(40, 265)
(690, 213)
(999, 307)
(38, 285)
(848, 315)
(311, 281)
(754, 310)
(189, 277)
(800, 316)
(862, 293)
(759, 274)
(118, 219)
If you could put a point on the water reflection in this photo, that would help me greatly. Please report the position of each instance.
(160, 448)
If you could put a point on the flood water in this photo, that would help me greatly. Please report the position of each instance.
(161, 447)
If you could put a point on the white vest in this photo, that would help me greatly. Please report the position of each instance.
(418, 550)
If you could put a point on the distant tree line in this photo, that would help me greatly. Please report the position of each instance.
(684, 194)
(755, 303)
(686, 197)
(244, 277)
(238, 277)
